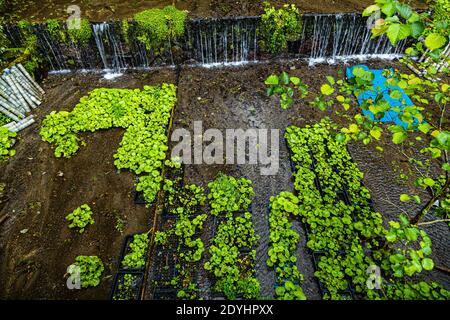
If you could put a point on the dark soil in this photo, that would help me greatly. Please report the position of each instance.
(33, 263)
(117, 9)
(36, 245)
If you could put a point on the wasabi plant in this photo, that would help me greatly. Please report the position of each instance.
(80, 218)
(135, 259)
(90, 269)
(6, 142)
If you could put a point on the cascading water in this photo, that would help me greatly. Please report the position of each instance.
(332, 37)
(210, 42)
(223, 41)
(109, 48)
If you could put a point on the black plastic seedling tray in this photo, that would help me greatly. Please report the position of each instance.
(138, 197)
(164, 294)
(125, 250)
(135, 289)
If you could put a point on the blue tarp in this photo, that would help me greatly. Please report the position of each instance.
(380, 86)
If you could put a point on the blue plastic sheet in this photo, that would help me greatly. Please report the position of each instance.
(380, 86)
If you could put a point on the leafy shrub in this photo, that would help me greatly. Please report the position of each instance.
(56, 30)
(80, 218)
(82, 35)
(6, 142)
(278, 26)
(136, 258)
(90, 268)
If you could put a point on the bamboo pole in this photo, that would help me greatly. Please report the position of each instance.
(23, 92)
(27, 75)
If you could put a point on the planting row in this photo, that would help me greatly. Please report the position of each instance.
(344, 233)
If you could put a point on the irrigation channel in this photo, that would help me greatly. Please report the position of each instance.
(230, 97)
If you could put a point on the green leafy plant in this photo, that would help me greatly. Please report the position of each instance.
(229, 194)
(80, 218)
(144, 114)
(56, 30)
(135, 259)
(6, 142)
(82, 35)
(286, 86)
(278, 26)
(126, 288)
(90, 269)
(283, 247)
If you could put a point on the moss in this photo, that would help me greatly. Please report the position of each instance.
(157, 26)
(81, 35)
(125, 30)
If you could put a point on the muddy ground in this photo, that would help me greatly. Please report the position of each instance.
(97, 10)
(36, 246)
(33, 263)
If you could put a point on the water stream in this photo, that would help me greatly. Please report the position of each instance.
(326, 38)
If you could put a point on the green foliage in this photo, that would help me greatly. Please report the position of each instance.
(430, 30)
(234, 271)
(82, 35)
(125, 25)
(184, 202)
(90, 268)
(402, 258)
(126, 288)
(56, 30)
(155, 27)
(29, 54)
(135, 259)
(417, 291)
(4, 119)
(286, 87)
(143, 113)
(80, 218)
(229, 194)
(283, 247)
(149, 186)
(278, 26)
(6, 142)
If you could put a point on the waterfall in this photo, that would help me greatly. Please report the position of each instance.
(211, 42)
(338, 37)
(225, 41)
(109, 48)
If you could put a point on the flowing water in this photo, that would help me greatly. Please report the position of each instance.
(212, 42)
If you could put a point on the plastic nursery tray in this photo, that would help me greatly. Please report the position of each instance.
(164, 268)
(136, 286)
(138, 197)
(164, 293)
(125, 250)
